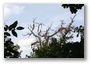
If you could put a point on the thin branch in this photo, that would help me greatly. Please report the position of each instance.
(54, 33)
(32, 32)
(48, 29)
(72, 20)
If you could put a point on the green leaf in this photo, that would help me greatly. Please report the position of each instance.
(13, 26)
(80, 27)
(20, 28)
(14, 33)
(7, 34)
(5, 27)
(77, 34)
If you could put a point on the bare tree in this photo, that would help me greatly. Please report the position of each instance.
(40, 33)
(45, 36)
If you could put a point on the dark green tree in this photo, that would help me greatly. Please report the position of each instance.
(73, 7)
(59, 49)
(11, 50)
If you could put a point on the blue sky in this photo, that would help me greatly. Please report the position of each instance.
(45, 13)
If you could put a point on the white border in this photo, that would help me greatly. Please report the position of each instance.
(86, 60)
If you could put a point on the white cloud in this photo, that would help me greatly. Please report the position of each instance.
(25, 46)
(25, 43)
(10, 9)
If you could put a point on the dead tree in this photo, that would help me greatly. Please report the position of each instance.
(40, 35)
(45, 36)
(66, 31)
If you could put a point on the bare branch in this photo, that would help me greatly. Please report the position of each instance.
(40, 29)
(32, 32)
(48, 29)
(34, 43)
(28, 34)
(54, 33)
(72, 20)
(62, 22)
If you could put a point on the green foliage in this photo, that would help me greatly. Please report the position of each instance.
(60, 49)
(20, 28)
(73, 7)
(6, 34)
(14, 33)
(11, 50)
(80, 30)
(6, 28)
(13, 26)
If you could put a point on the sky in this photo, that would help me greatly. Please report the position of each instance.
(45, 13)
